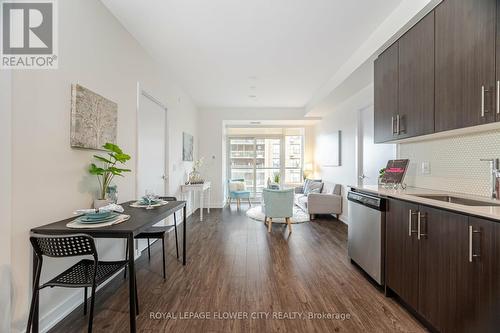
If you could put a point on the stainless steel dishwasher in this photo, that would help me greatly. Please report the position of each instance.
(366, 233)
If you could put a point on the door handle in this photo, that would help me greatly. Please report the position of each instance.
(483, 108)
(420, 216)
(392, 126)
(411, 213)
(398, 124)
(471, 250)
(498, 97)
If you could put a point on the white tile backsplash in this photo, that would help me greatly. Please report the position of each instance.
(454, 162)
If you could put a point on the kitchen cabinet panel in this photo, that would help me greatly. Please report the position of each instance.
(402, 250)
(386, 93)
(416, 79)
(443, 268)
(483, 284)
(465, 33)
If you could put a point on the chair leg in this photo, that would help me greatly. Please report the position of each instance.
(176, 241)
(269, 225)
(32, 309)
(163, 255)
(136, 297)
(84, 301)
(92, 301)
(249, 203)
(149, 251)
(289, 222)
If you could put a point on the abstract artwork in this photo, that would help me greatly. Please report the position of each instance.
(187, 147)
(93, 119)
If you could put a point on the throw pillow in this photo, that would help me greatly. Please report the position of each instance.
(313, 186)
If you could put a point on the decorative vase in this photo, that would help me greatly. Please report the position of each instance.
(98, 203)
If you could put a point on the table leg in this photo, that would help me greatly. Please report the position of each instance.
(202, 197)
(131, 282)
(184, 227)
(209, 192)
(34, 327)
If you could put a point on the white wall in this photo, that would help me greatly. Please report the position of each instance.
(5, 200)
(212, 139)
(49, 179)
(343, 117)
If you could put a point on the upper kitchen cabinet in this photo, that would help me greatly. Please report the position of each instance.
(386, 94)
(416, 80)
(465, 89)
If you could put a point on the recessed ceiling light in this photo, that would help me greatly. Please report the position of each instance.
(253, 87)
(255, 122)
(252, 96)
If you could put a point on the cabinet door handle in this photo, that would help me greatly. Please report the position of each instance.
(411, 213)
(420, 216)
(483, 109)
(498, 97)
(471, 250)
(392, 126)
(398, 124)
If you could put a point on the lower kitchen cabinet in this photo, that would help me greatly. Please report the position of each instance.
(483, 284)
(445, 266)
(402, 250)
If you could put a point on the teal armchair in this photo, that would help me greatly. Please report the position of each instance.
(278, 204)
(238, 191)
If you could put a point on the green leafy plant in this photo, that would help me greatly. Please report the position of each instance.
(381, 172)
(277, 177)
(108, 169)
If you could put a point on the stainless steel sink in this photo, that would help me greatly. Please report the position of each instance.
(457, 200)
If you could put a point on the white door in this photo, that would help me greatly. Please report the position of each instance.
(372, 157)
(151, 164)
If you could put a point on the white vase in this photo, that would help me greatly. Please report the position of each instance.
(98, 203)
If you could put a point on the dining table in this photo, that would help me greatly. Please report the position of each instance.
(140, 220)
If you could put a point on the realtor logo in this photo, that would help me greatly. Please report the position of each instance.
(29, 34)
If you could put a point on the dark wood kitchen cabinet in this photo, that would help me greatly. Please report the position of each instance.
(416, 79)
(465, 33)
(483, 279)
(443, 265)
(386, 94)
(402, 250)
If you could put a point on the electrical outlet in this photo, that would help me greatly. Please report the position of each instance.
(426, 168)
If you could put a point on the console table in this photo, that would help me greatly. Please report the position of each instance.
(187, 189)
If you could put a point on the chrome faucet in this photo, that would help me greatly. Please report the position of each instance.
(495, 176)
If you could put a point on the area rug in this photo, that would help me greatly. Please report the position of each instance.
(299, 216)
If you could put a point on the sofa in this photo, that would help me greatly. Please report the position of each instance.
(324, 198)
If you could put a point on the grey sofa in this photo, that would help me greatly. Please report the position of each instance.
(328, 201)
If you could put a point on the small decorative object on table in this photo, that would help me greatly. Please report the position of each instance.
(381, 174)
(107, 171)
(195, 175)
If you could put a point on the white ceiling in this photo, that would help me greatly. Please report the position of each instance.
(224, 51)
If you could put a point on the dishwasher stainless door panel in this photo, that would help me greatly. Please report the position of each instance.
(365, 239)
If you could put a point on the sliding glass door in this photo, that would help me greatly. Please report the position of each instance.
(255, 160)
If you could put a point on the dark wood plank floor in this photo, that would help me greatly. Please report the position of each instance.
(235, 265)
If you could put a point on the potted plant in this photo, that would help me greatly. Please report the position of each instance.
(381, 174)
(108, 170)
(277, 177)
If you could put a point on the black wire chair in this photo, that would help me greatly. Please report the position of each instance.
(84, 274)
(158, 233)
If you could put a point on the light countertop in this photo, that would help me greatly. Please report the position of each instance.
(409, 194)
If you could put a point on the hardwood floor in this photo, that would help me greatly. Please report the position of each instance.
(235, 265)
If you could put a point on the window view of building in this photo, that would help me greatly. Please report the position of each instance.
(259, 159)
